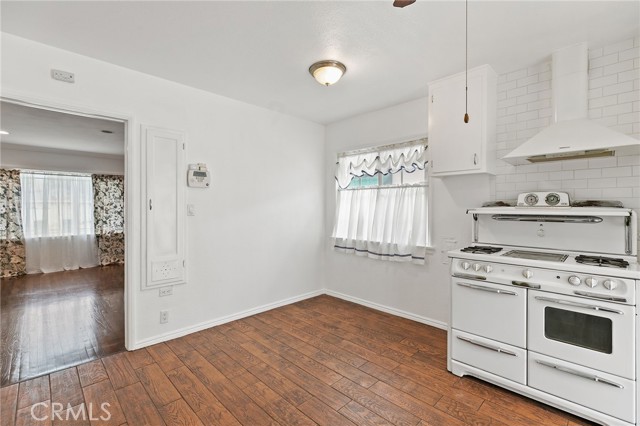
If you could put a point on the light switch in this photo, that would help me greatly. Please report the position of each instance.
(191, 210)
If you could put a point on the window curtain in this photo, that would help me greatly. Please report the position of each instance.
(58, 222)
(12, 251)
(388, 223)
(108, 193)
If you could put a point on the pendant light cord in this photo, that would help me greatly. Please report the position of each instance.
(466, 61)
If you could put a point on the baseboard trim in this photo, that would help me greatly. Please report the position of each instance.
(218, 321)
(253, 311)
(389, 310)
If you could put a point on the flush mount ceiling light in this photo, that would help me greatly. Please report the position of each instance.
(327, 72)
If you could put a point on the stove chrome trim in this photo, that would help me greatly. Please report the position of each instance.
(486, 346)
(579, 374)
(547, 218)
(470, 277)
(578, 305)
(524, 284)
(489, 289)
(599, 296)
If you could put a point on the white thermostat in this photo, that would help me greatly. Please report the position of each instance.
(198, 176)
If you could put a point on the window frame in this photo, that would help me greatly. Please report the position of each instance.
(429, 248)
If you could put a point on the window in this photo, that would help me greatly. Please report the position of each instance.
(56, 205)
(382, 199)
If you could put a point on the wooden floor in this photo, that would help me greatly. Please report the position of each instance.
(321, 361)
(49, 322)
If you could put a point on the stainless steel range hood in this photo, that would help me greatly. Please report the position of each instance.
(571, 135)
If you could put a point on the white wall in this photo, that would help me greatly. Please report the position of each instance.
(18, 157)
(420, 292)
(257, 235)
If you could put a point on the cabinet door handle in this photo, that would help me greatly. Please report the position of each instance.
(486, 346)
(579, 374)
(475, 159)
(150, 204)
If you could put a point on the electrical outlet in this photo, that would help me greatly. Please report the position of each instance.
(164, 317)
(166, 291)
(67, 77)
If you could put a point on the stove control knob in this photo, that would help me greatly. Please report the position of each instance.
(591, 282)
(573, 280)
(465, 265)
(527, 273)
(488, 268)
(477, 267)
(610, 284)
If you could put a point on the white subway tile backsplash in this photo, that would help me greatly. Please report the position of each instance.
(588, 194)
(604, 60)
(632, 53)
(629, 75)
(628, 181)
(632, 117)
(587, 173)
(564, 175)
(602, 183)
(575, 164)
(617, 171)
(574, 183)
(538, 87)
(524, 108)
(614, 89)
(602, 102)
(596, 163)
(617, 109)
(618, 67)
(603, 81)
(617, 193)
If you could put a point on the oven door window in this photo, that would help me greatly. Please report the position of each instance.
(578, 329)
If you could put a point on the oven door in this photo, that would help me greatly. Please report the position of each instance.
(595, 334)
(494, 311)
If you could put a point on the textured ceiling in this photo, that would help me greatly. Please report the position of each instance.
(259, 52)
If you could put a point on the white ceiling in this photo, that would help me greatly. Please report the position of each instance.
(51, 130)
(259, 52)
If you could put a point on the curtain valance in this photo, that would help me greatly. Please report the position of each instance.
(409, 157)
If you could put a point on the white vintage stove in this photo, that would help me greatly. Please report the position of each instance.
(544, 304)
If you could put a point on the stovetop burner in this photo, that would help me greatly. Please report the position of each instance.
(608, 262)
(481, 249)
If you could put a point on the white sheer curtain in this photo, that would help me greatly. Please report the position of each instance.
(383, 222)
(57, 215)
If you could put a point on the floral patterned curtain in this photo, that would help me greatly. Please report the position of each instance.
(12, 253)
(108, 195)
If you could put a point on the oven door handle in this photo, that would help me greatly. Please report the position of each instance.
(579, 305)
(580, 374)
(489, 289)
(486, 346)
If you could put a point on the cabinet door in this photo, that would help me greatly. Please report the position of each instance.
(165, 206)
(456, 146)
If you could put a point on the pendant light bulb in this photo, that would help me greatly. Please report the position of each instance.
(466, 117)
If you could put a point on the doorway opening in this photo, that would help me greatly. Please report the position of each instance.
(62, 239)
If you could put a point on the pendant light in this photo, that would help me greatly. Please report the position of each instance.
(466, 60)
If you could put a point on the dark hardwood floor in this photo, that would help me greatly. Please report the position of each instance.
(49, 322)
(321, 361)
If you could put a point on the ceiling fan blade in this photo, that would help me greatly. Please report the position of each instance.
(403, 3)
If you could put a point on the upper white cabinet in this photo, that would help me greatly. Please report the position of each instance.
(165, 206)
(458, 147)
